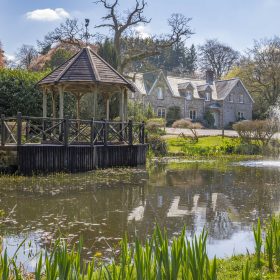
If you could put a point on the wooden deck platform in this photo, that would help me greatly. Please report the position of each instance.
(57, 145)
(79, 158)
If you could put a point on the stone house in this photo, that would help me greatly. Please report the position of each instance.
(227, 100)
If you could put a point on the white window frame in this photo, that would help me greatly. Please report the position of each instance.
(230, 98)
(159, 93)
(132, 95)
(161, 112)
(240, 115)
(192, 114)
(207, 96)
(241, 98)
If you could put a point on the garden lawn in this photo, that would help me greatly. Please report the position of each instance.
(205, 145)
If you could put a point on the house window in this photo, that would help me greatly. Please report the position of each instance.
(159, 93)
(132, 95)
(241, 98)
(230, 98)
(189, 95)
(161, 112)
(240, 116)
(192, 114)
(207, 96)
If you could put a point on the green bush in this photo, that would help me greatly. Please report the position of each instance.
(157, 145)
(173, 114)
(247, 149)
(209, 119)
(18, 92)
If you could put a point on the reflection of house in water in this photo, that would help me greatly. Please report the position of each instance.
(137, 214)
(175, 207)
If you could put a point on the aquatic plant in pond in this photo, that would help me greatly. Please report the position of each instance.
(156, 259)
(258, 242)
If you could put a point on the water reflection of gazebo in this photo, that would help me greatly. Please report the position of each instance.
(85, 73)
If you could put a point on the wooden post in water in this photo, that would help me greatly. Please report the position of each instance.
(19, 128)
(130, 133)
(3, 134)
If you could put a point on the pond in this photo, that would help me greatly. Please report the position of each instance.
(224, 197)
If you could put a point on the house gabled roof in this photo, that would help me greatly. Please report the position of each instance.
(219, 89)
(224, 87)
(86, 66)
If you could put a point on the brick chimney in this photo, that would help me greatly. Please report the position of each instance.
(209, 77)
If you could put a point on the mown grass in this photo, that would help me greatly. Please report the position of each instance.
(209, 146)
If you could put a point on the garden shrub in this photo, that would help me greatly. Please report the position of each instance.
(247, 149)
(155, 126)
(157, 145)
(173, 114)
(188, 124)
(209, 119)
(261, 131)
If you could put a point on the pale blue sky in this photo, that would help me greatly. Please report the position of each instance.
(236, 22)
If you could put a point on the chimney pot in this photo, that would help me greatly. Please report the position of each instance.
(209, 77)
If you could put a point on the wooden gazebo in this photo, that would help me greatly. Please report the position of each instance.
(54, 144)
(85, 73)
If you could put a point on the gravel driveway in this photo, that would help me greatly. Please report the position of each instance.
(200, 132)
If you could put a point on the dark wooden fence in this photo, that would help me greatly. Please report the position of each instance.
(23, 130)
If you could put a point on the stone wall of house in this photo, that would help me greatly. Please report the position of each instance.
(231, 109)
(198, 106)
(168, 99)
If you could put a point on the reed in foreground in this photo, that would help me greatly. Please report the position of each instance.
(158, 258)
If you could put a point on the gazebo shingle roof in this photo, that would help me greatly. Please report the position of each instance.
(88, 67)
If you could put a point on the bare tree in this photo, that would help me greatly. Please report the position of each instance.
(71, 32)
(218, 57)
(265, 62)
(26, 55)
(133, 48)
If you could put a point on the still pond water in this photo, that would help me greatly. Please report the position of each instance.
(224, 197)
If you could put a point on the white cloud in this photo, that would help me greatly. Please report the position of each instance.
(10, 57)
(143, 31)
(47, 14)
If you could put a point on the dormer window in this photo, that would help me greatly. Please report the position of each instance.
(207, 96)
(189, 95)
(241, 98)
(159, 93)
(230, 97)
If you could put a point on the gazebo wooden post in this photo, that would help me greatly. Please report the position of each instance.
(78, 112)
(61, 102)
(45, 106)
(53, 104)
(78, 105)
(45, 102)
(122, 113)
(107, 107)
(125, 105)
(95, 94)
(61, 108)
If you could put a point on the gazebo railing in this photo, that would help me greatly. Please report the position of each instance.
(23, 130)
